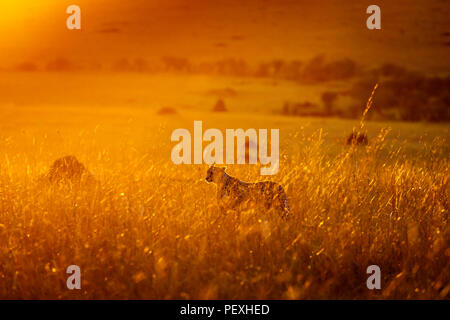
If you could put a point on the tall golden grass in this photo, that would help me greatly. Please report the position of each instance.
(152, 230)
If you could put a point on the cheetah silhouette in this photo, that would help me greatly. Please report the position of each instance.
(235, 194)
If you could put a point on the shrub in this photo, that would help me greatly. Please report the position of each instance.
(357, 138)
(220, 106)
(166, 110)
(305, 108)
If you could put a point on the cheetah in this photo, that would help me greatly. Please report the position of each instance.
(235, 194)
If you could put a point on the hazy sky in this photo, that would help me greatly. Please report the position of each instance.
(415, 32)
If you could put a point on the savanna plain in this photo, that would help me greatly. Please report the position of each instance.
(150, 229)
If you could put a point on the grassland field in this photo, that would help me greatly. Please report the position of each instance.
(152, 229)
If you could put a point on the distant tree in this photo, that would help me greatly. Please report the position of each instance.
(276, 66)
(123, 65)
(293, 70)
(314, 70)
(60, 64)
(286, 108)
(27, 67)
(392, 70)
(176, 64)
(262, 70)
(341, 69)
(140, 65)
(328, 99)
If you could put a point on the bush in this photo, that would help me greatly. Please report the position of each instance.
(122, 65)
(60, 65)
(357, 138)
(341, 69)
(318, 70)
(305, 108)
(220, 106)
(232, 67)
(166, 110)
(391, 70)
(223, 92)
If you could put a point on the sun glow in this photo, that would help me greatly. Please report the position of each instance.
(14, 12)
(23, 24)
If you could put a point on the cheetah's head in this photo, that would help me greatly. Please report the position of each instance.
(214, 174)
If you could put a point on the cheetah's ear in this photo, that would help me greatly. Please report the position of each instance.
(223, 168)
